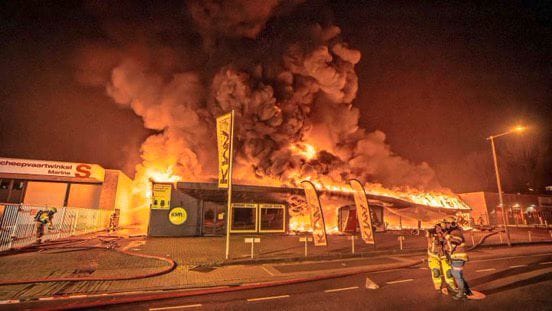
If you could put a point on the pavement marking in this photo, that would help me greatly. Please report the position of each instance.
(267, 298)
(545, 263)
(197, 305)
(486, 270)
(267, 271)
(340, 289)
(399, 281)
(423, 268)
(511, 257)
(518, 266)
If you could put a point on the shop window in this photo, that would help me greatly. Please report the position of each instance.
(244, 217)
(5, 184)
(272, 218)
(45, 193)
(16, 194)
(4, 190)
(18, 185)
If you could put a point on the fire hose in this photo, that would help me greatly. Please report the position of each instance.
(112, 247)
(483, 238)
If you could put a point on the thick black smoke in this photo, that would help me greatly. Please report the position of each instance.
(281, 65)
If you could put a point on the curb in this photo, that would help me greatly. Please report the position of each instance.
(312, 258)
(114, 298)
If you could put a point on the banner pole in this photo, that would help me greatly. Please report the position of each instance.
(229, 208)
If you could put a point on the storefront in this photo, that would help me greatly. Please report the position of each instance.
(254, 210)
(201, 210)
(59, 184)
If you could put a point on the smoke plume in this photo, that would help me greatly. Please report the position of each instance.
(281, 65)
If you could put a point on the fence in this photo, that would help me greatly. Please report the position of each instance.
(18, 226)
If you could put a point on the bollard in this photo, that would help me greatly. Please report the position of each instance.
(401, 239)
(500, 235)
(306, 239)
(252, 241)
(550, 233)
(473, 240)
(529, 233)
(353, 243)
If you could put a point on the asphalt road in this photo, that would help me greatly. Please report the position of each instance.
(511, 283)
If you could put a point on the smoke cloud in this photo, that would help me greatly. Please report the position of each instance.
(281, 65)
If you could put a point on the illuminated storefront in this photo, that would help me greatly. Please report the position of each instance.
(58, 184)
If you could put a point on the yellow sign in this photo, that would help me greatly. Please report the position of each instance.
(161, 196)
(316, 215)
(178, 216)
(363, 212)
(225, 134)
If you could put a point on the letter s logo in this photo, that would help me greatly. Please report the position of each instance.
(83, 170)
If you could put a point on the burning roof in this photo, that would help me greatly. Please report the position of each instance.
(292, 196)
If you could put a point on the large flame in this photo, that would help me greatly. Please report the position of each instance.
(138, 212)
(303, 149)
(298, 222)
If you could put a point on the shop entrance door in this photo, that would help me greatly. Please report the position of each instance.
(214, 219)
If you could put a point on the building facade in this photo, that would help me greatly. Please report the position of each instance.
(200, 209)
(522, 209)
(62, 184)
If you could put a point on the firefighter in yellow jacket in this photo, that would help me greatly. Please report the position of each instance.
(43, 218)
(438, 261)
(456, 252)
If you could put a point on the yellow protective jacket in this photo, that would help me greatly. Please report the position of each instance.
(456, 248)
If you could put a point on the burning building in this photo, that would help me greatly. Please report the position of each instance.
(287, 72)
(266, 209)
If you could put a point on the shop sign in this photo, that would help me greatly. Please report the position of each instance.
(51, 168)
(363, 212)
(225, 133)
(161, 196)
(316, 215)
(178, 216)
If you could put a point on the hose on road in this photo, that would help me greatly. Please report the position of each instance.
(111, 247)
(483, 238)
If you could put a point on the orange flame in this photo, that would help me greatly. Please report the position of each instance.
(303, 149)
(300, 222)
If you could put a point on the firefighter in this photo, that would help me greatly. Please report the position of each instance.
(113, 221)
(437, 260)
(43, 218)
(455, 250)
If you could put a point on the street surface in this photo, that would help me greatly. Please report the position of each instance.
(516, 282)
(510, 284)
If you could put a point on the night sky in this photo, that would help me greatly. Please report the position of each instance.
(436, 78)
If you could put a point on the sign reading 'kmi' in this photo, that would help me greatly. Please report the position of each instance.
(225, 133)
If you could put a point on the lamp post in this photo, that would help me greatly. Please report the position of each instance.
(517, 129)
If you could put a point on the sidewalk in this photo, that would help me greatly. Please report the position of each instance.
(198, 260)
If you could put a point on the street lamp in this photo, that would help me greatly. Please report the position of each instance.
(517, 129)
